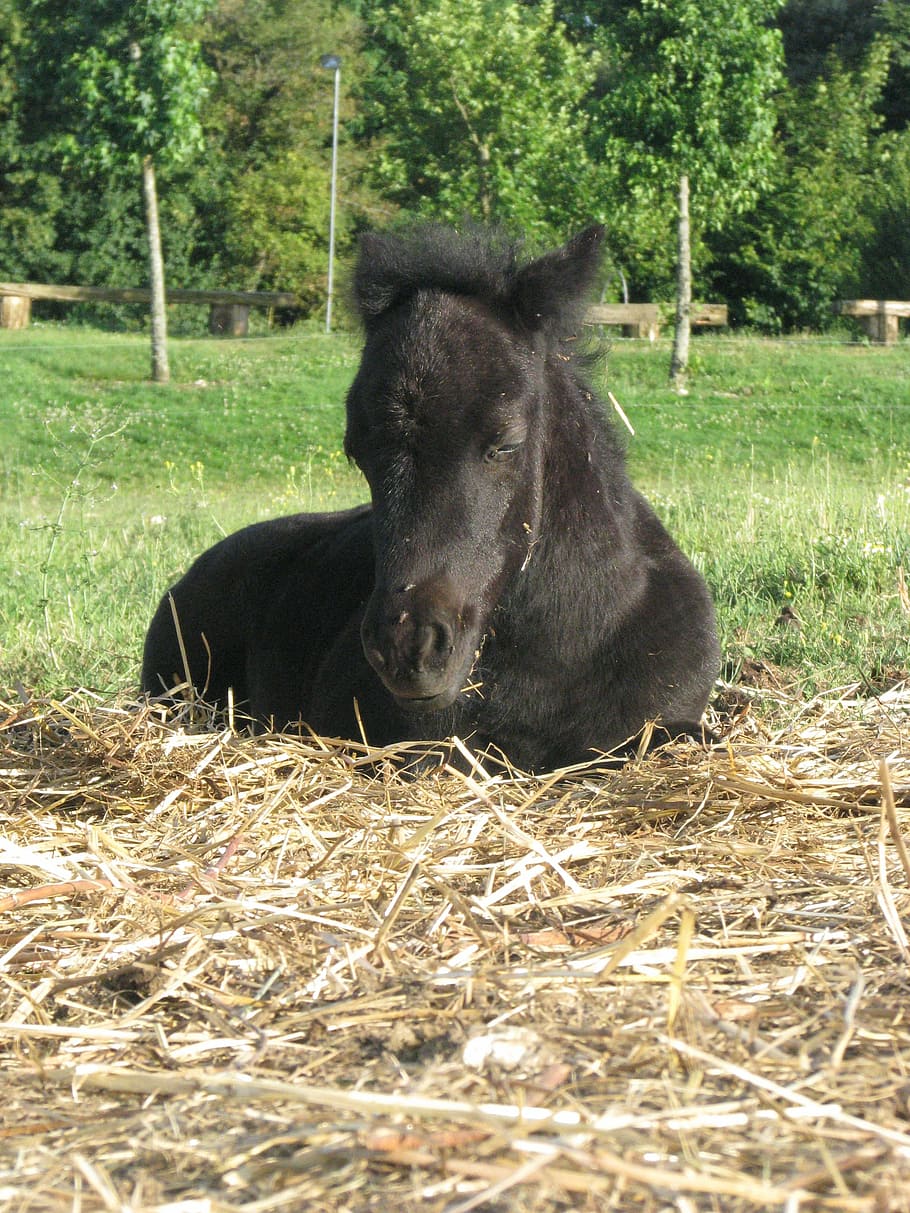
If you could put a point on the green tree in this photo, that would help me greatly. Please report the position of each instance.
(687, 113)
(477, 108)
(268, 125)
(886, 252)
(125, 92)
(785, 260)
(30, 194)
(819, 32)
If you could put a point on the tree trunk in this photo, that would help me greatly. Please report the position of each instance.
(484, 194)
(160, 370)
(680, 361)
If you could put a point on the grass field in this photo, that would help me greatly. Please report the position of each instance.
(785, 474)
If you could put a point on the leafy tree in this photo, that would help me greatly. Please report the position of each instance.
(687, 111)
(477, 108)
(268, 126)
(785, 260)
(819, 32)
(895, 103)
(102, 228)
(541, 116)
(886, 253)
(30, 195)
(125, 93)
(813, 30)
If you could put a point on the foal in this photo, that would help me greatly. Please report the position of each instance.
(507, 583)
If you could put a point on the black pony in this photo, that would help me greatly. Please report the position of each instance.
(507, 584)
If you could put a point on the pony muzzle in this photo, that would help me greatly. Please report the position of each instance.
(419, 647)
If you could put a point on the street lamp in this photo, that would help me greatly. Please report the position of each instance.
(332, 63)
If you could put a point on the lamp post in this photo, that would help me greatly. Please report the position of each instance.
(332, 63)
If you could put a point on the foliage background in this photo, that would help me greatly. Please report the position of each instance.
(523, 112)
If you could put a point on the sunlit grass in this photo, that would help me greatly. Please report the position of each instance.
(807, 574)
(784, 474)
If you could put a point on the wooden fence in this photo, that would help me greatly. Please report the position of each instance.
(879, 318)
(229, 311)
(645, 319)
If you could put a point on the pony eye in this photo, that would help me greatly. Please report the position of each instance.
(501, 452)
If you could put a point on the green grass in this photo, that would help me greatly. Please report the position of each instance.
(245, 410)
(785, 473)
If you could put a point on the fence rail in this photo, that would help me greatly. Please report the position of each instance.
(229, 310)
(879, 318)
(645, 319)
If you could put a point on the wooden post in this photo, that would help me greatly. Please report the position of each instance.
(15, 311)
(640, 320)
(160, 370)
(878, 318)
(229, 319)
(645, 330)
(882, 328)
(679, 363)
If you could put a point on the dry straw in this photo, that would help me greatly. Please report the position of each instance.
(272, 973)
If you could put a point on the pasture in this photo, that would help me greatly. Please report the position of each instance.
(270, 973)
(784, 475)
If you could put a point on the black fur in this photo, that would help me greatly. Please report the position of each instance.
(508, 584)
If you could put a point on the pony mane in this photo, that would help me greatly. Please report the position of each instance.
(483, 263)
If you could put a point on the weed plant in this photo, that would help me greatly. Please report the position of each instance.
(785, 473)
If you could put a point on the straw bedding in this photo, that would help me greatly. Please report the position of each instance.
(273, 974)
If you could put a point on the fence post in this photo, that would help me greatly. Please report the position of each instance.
(15, 311)
(229, 319)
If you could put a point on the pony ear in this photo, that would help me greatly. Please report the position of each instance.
(550, 293)
(375, 289)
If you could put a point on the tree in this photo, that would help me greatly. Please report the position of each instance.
(476, 108)
(268, 124)
(886, 252)
(819, 32)
(30, 195)
(687, 111)
(837, 188)
(126, 92)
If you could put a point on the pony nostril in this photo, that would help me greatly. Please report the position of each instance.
(445, 641)
(435, 644)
